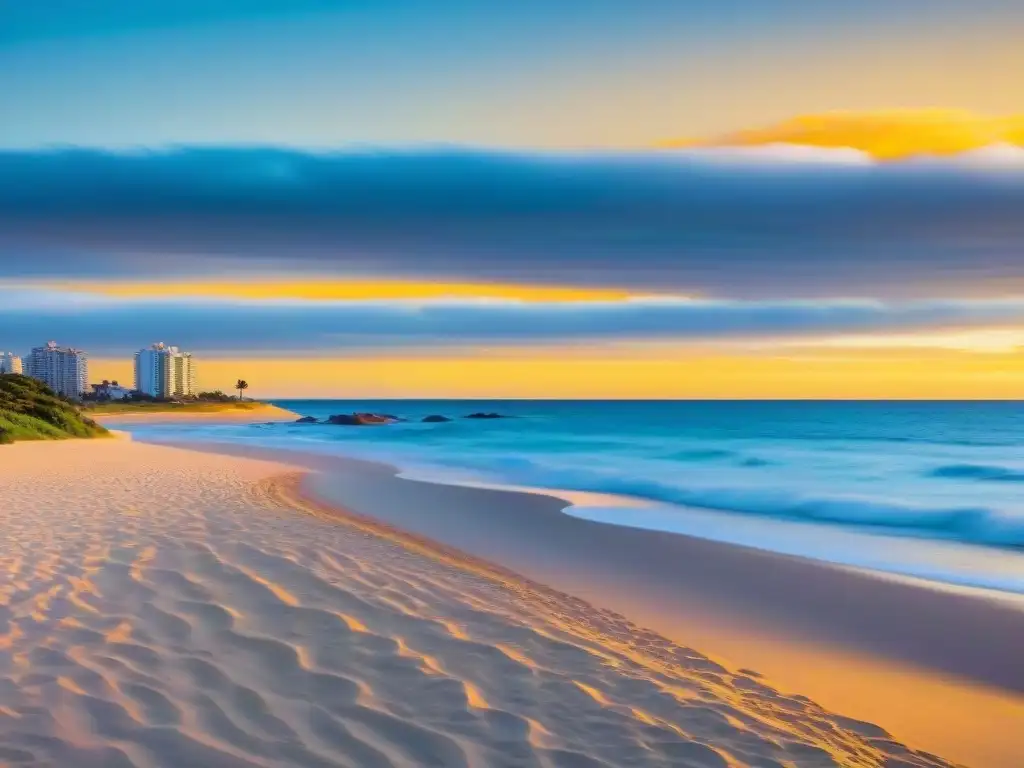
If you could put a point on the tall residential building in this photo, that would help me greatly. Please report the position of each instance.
(163, 371)
(63, 369)
(10, 363)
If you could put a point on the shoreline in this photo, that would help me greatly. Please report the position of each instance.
(200, 609)
(884, 650)
(581, 504)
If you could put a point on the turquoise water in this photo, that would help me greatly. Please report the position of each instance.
(933, 490)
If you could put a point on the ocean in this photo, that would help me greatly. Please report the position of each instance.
(924, 490)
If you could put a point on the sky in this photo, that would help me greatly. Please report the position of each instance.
(576, 73)
(738, 198)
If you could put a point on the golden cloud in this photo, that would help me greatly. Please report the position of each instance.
(886, 135)
(332, 289)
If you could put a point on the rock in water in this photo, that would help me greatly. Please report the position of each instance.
(307, 420)
(485, 416)
(435, 418)
(360, 419)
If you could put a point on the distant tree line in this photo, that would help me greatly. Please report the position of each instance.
(216, 396)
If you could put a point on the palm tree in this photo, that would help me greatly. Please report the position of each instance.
(241, 385)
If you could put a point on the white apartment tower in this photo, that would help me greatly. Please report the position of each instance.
(10, 363)
(63, 369)
(163, 371)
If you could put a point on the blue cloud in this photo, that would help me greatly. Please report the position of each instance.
(106, 326)
(706, 222)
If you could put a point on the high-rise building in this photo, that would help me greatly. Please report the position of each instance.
(163, 371)
(65, 370)
(10, 363)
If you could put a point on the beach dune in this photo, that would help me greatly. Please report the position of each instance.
(163, 607)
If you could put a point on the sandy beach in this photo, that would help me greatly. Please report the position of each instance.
(938, 668)
(166, 607)
(263, 412)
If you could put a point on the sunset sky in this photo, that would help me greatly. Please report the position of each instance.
(574, 199)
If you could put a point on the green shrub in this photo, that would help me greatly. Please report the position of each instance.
(29, 410)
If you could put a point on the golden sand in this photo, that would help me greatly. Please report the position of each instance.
(167, 607)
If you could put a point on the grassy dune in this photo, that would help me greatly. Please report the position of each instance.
(29, 410)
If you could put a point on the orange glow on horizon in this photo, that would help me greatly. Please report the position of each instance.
(886, 135)
(888, 374)
(336, 289)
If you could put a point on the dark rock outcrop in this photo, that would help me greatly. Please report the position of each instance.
(361, 419)
(307, 420)
(486, 416)
(435, 418)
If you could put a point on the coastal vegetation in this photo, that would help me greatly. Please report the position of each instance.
(204, 402)
(29, 410)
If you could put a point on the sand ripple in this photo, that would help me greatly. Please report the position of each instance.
(165, 608)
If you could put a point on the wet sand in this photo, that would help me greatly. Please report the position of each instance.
(166, 607)
(942, 670)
